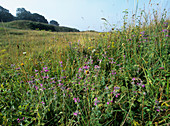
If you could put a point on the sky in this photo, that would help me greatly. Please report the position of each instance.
(85, 14)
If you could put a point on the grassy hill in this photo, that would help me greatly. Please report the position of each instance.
(84, 78)
(24, 24)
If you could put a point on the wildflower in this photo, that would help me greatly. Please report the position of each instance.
(86, 67)
(36, 70)
(96, 67)
(18, 68)
(143, 32)
(117, 95)
(96, 101)
(133, 79)
(45, 69)
(36, 87)
(87, 72)
(76, 113)
(93, 50)
(113, 72)
(79, 70)
(60, 84)
(108, 103)
(24, 53)
(143, 85)
(22, 64)
(161, 68)
(164, 30)
(76, 100)
(157, 110)
(42, 102)
(113, 45)
(12, 65)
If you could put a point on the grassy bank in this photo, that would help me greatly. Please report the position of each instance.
(114, 78)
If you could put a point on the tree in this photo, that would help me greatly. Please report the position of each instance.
(5, 16)
(53, 22)
(3, 9)
(38, 18)
(23, 14)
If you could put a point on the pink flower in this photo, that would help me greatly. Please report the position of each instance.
(79, 69)
(76, 99)
(108, 103)
(42, 102)
(46, 70)
(75, 113)
(36, 87)
(96, 101)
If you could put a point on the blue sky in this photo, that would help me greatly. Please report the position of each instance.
(84, 14)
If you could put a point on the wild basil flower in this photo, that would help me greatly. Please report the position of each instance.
(111, 62)
(86, 67)
(164, 30)
(60, 84)
(143, 32)
(18, 68)
(115, 91)
(12, 65)
(76, 100)
(42, 102)
(36, 87)
(45, 69)
(96, 101)
(76, 113)
(161, 68)
(80, 69)
(45, 77)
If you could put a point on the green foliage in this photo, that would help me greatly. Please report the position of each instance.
(5, 16)
(53, 22)
(24, 24)
(23, 14)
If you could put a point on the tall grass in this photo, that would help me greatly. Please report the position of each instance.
(114, 78)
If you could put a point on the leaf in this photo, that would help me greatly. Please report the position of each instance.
(123, 89)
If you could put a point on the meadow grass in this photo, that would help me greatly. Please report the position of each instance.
(112, 78)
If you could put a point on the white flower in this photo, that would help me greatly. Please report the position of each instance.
(93, 50)
(24, 53)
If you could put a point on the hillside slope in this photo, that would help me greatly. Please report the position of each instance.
(24, 24)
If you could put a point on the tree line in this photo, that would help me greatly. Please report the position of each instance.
(23, 14)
